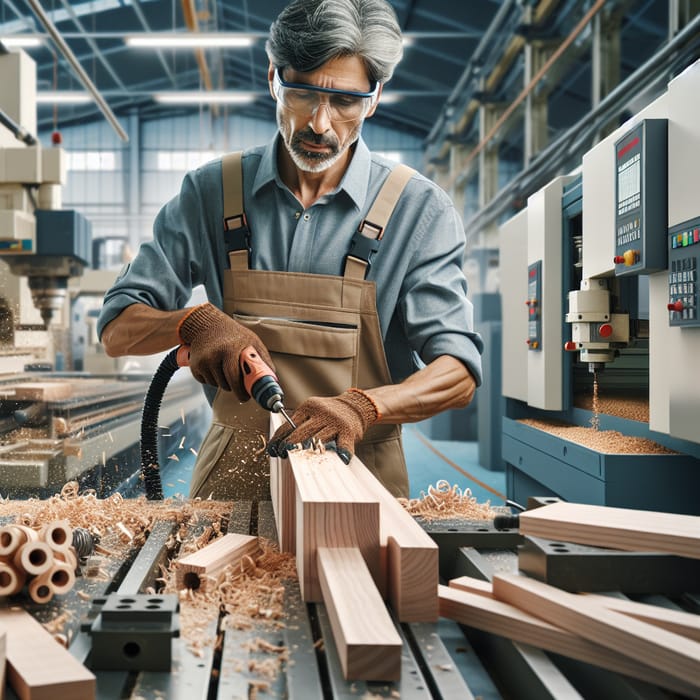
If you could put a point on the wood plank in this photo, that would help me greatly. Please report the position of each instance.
(617, 528)
(193, 570)
(283, 493)
(581, 615)
(500, 618)
(412, 566)
(57, 676)
(678, 621)
(332, 510)
(38, 391)
(368, 644)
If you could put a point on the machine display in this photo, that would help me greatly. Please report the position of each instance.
(640, 198)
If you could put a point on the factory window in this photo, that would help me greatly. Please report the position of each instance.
(183, 160)
(91, 160)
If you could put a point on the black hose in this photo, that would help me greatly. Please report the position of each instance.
(150, 469)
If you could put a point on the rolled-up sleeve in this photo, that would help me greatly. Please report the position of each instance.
(437, 315)
(166, 268)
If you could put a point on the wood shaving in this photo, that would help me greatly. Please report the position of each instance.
(443, 502)
(606, 441)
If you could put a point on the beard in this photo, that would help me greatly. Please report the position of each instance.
(313, 161)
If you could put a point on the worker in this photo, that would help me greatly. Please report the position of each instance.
(357, 301)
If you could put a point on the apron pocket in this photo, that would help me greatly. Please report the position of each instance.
(311, 359)
(210, 451)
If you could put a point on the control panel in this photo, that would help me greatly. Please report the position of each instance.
(534, 296)
(641, 198)
(683, 265)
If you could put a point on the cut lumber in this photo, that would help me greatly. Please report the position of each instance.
(678, 621)
(617, 528)
(412, 557)
(38, 391)
(368, 644)
(192, 570)
(283, 494)
(332, 510)
(506, 620)
(38, 668)
(581, 615)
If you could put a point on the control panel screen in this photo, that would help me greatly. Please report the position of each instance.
(641, 198)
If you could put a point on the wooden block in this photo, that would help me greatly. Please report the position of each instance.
(581, 615)
(617, 528)
(38, 668)
(191, 570)
(506, 620)
(3, 662)
(332, 510)
(283, 493)
(412, 566)
(368, 644)
(38, 391)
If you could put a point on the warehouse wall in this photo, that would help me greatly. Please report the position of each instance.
(121, 186)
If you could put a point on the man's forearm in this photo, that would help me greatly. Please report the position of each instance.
(445, 383)
(142, 330)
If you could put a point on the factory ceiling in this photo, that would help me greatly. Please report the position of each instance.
(450, 46)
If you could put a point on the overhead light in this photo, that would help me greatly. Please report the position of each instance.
(211, 97)
(390, 98)
(63, 97)
(198, 40)
(20, 41)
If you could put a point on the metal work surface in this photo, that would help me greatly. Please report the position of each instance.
(442, 660)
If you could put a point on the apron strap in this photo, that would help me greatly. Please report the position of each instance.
(365, 242)
(236, 231)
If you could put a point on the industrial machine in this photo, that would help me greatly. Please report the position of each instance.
(601, 310)
(66, 410)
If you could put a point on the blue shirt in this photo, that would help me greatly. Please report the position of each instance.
(421, 289)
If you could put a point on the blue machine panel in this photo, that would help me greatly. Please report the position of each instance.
(534, 304)
(641, 196)
(683, 265)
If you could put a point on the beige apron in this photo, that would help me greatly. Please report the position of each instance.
(323, 334)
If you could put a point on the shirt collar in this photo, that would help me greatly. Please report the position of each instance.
(355, 180)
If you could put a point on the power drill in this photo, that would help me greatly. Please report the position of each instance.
(259, 380)
(261, 383)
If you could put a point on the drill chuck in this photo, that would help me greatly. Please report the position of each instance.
(268, 393)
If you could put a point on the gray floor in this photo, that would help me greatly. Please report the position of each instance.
(455, 461)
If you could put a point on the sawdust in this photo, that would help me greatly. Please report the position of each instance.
(606, 441)
(443, 502)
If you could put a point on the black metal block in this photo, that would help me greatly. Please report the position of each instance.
(575, 567)
(133, 632)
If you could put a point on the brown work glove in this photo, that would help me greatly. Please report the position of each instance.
(215, 342)
(337, 421)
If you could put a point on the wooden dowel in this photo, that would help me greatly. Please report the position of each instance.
(40, 589)
(34, 557)
(11, 580)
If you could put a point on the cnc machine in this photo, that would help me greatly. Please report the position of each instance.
(601, 308)
(57, 421)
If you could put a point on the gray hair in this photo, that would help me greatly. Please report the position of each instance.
(309, 33)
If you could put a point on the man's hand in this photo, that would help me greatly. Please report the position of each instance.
(216, 342)
(338, 421)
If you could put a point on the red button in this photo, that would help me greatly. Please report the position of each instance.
(605, 331)
(618, 260)
(569, 345)
(675, 306)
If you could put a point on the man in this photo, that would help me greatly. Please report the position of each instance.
(358, 301)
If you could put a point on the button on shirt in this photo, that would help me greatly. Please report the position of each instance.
(421, 289)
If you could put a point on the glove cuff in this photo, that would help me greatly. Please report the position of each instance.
(366, 405)
(199, 318)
